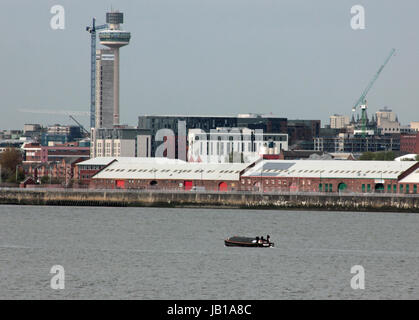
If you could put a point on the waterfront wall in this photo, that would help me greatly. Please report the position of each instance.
(126, 198)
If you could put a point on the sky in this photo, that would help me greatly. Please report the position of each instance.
(292, 58)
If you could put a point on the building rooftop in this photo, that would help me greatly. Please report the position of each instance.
(241, 116)
(410, 156)
(107, 160)
(150, 168)
(329, 169)
(411, 178)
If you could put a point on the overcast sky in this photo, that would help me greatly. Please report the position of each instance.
(296, 59)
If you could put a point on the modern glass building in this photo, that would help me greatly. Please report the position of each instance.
(207, 123)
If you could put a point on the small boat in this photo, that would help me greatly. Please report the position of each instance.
(247, 242)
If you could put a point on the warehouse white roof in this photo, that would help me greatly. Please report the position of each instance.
(99, 161)
(411, 157)
(107, 160)
(154, 168)
(411, 178)
(329, 169)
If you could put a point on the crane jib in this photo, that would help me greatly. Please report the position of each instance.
(367, 89)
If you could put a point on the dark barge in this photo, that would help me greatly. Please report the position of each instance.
(247, 242)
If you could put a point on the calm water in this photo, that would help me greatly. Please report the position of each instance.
(153, 253)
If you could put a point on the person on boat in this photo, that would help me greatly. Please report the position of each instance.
(268, 238)
(261, 239)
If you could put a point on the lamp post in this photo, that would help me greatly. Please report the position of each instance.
(155, 181)
(17, 166)
(382, 181)
(320, 183)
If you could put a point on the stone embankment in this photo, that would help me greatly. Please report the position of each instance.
(156, 198)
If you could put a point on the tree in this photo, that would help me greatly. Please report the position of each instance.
(9, 160)
(378, 156)
(20, 174)
(385, 156)
(367, 156)
(45, 180)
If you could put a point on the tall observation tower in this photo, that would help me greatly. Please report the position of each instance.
(114, 38)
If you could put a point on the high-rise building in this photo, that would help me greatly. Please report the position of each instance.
(114, 37)
(104, 88)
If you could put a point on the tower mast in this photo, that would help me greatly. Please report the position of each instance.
(114, 37)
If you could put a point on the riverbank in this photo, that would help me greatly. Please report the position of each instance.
(238, 200)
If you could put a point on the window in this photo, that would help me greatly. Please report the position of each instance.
(407, 188)
(320, 187)
(401, 188)
(389, 188)
(368, 188)
(415, 188)
(363, 187)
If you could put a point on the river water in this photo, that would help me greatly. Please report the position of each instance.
(159, 253)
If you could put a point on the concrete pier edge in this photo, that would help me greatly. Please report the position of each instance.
(233, 200)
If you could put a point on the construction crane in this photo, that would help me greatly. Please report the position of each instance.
(92, 30)
(362, 102)
(80, 125)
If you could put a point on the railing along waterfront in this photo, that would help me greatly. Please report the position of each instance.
(235, 192)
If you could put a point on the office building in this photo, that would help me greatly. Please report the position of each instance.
(120, 142)
(170, 123)
(339, 121)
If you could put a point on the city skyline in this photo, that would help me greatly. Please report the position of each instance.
(292, 59)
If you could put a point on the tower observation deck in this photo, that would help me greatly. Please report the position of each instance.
(114, 37)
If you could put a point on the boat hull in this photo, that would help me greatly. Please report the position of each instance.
(246, 242)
